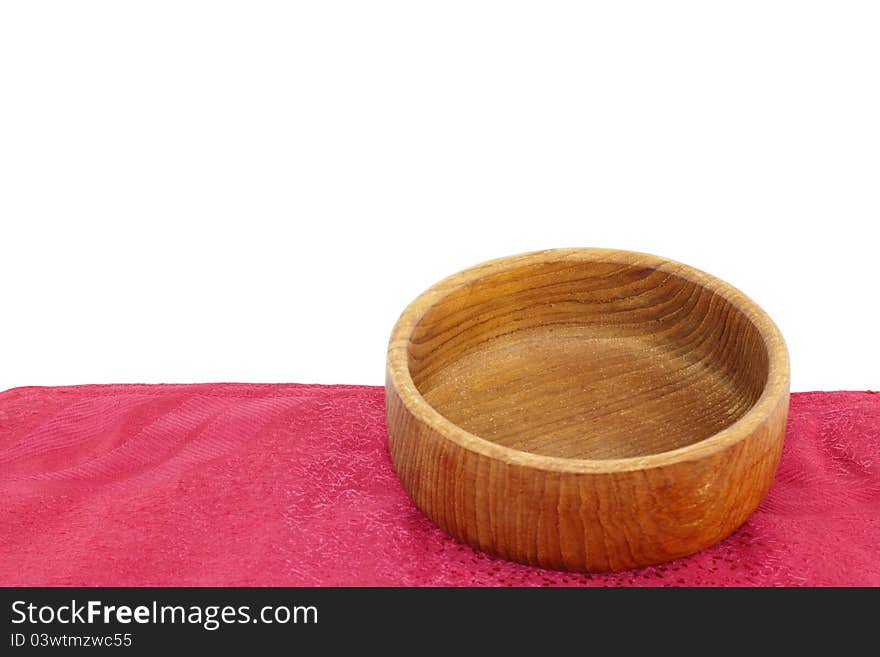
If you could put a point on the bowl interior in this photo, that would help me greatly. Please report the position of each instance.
(586, 359)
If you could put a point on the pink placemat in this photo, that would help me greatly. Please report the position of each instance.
(289, 485)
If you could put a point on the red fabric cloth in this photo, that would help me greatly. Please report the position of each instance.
(238, 484)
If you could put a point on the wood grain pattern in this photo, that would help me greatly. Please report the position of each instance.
(586, 409)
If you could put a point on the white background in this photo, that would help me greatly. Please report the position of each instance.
(253, 191)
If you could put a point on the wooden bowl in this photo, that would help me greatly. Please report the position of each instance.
(586, 409)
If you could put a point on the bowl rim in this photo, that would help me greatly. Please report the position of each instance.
(775, 391)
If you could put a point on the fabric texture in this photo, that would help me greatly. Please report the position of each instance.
(289, 485)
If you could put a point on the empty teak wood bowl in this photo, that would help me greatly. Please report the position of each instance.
(586, 409)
